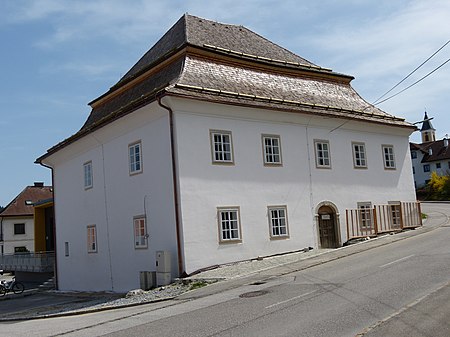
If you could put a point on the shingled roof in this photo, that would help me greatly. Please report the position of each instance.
(440, 150)
(195, 31)
(23, 204)
(229, 64)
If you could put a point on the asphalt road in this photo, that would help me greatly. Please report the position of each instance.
(398, 289)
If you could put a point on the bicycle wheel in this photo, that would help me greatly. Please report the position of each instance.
(2, 290)
(18, 288)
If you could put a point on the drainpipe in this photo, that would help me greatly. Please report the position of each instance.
(54, 224)
(1, 233)
(181, 270)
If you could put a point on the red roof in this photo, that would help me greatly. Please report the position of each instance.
(22, 205)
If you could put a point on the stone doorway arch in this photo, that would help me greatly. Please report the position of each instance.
(327, 220)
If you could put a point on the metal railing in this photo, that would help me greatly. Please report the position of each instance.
(382, 219)
(42, 262)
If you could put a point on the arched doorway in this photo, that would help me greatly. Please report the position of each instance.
(327, 225)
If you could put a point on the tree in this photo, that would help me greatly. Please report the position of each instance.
(439, 186)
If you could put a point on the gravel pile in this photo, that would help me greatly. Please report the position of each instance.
(95, 302)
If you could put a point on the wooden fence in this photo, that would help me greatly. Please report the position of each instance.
(369, 222)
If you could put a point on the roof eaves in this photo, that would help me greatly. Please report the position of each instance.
(291, 102)
(114, 115)
(150, 66)
(266, 60)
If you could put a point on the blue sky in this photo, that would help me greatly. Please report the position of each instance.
(56, 56)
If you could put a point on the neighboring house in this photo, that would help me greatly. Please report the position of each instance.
(17, 220)
(218, 146)
(429, 156)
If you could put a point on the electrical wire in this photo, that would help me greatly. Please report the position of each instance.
(419, 80)
(377, 101)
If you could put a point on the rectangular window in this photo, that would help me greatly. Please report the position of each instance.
(426, 168)
(365, 214)
(359, 155)
(395, 214)
(414, 170)
(221, 146)
(19, 228)
(388, 156)
(413, 154)
(91, 239)
(438, 165)
(272, 150)
(135, 158)
(140, 232)
(66, 248)
(278, 222)
(21, 250)
(322, 148)
(229, 224)
(87, 167)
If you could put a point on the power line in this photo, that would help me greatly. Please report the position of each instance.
(377, 101)
(419, 80)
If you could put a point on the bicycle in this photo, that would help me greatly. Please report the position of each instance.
(13, 285)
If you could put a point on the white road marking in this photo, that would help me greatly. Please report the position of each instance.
(291, 299)
(396, 261)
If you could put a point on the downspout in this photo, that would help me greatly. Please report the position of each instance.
(181, 270)
(53, 225)
(1, 234)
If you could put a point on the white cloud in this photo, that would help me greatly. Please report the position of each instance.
(390, 44)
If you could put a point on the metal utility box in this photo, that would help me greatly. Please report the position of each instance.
(147, 279)
(163, 261)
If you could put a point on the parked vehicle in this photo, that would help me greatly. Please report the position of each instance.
(13, 285)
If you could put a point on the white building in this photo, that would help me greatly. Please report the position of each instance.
(218, 146)
(429, 156)
(17, 227)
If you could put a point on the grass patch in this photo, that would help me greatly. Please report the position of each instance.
(198, 284)
(424, 216)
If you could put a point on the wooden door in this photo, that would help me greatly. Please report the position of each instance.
(327, 229)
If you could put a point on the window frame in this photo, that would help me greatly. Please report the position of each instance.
(92, 239)
(365, 207)
(23, 225)
(389, 163)
(66, 249)
(395, 212)
(358, 152)
(222, 152)
(413, 154)
(268, 150)
(270, 215)
(438, 166)
(132, 162)
(319, 151)
(221, 230)
(20, 250)
(426, 168)
(88, 175)
(143, 237)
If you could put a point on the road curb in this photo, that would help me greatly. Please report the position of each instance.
(234, 282)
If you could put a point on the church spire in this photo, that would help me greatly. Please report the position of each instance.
(427, 130)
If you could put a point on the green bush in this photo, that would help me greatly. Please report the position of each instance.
(439, 187)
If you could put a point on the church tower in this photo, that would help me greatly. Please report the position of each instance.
(427, 130)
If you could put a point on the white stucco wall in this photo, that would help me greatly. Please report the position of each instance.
(420, 176)
(253, 187)
(12, 240)
(116, 197)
